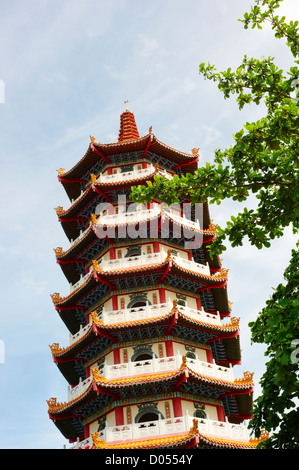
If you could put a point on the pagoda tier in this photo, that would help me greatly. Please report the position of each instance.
(150, 361)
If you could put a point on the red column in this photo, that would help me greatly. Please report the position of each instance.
(220, 413)
(114, 303)
(209, 355)
(177, 407)
(116, 356)
(198, 304)
(169, 348)
(112, 253)
(162, 295)
(156, 247)
(119, 416)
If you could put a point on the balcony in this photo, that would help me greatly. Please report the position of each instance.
(121, 177)
(154, 311)
(168, 427)
(151, 258)
(154, 366)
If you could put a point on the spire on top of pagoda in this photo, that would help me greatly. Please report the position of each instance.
(128, 129)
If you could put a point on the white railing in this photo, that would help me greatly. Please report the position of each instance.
(181, 219)
(112, 317)
(79, 283)
(154, 311)
(129, 216)
(151, 258)
(79, 389)
(168, 427)
(165, 364)
(131, 175)
(152, 366)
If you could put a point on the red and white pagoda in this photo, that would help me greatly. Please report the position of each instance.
(152, 341)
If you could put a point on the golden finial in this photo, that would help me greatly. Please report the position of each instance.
(58, 251)
(93, 178)
(96, 266)
(222, 273)
(56, 297)
(96, 376)
(95, 318)
(97, 442)
(59, 210)
(230, 304)
(184, 363)
(175, 305)
(235, 321)
(168, 257)
(61, 171)
(247, 378)
(150, 129)
(54, 404)
(55, 349)
(156, 167)
(94, 219)
(264, 435)
(194, 429)
(195, 151)
(212, 227)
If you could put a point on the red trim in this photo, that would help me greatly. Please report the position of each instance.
(116, 356)
(94, 149)
(173, 322)
(148, 145)
(177, 407)
(101, 193)
(119, 416)
(194, 160)
(169, 350)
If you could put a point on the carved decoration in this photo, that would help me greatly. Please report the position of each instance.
(59, 210)
(58, 251)
(247, 378)
(92, 139)
(97, 443)
(264, 435)
(61, 171)
(94, 219)
(55, 348)
(194, 428)
(56, 297)
(195, 151)
(93, 178)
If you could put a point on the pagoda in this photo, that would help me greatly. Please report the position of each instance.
(152, 341)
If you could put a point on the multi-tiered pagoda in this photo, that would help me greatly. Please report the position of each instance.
(152, 340)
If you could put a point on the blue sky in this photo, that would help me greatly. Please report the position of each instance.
(67, 67)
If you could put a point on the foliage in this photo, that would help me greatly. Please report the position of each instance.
(263, 164)
(277, 326)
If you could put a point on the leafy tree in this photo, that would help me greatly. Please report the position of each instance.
(263, 162)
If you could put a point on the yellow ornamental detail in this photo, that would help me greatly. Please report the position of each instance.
(175, 305)
(61, 171)
(194, 429)
(222, 273)
(94, 219)
(58, 251)
(247, 378)
(53, 404)
(59, 210)
(235, 321)
(56, 297)
(95, 319)
(55, 348)
(96, 376)
(97, 443)
(92, 139)
(96, 266)
(93, 178)
(264, 435)
(195, 151)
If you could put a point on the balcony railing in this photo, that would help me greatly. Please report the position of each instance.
(152, 258)
(131, 175)
(168, 427)
(165, 364)
(154, 311)
(154, 366)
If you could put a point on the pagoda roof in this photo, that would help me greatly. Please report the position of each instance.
(129, 141)
(192, 440)
(90, 242)
(99, 283)
(102, 392)
(98, 337)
